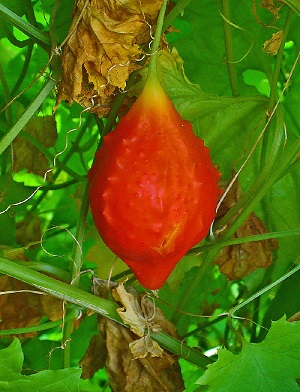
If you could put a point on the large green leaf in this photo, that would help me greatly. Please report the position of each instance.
(272, 365)
(11, 361)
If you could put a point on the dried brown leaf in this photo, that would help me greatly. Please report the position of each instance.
(25, 309)
(131, 313)
(294, 317)
(145, 346)
(273, 7)
(103, 49)
(237, 261)
(133, 363)
(25, 155)
(240, 260)
(272, 45)
(94, 358)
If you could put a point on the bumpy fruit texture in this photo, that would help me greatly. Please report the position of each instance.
(153, 188)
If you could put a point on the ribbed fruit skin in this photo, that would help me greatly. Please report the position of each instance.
(153, 188)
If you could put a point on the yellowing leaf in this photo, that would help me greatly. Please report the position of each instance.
(105, 43)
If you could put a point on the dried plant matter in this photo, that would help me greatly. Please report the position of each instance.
(105, 43)
(240, 260)
(134, 362)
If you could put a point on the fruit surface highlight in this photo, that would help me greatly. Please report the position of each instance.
(153, 188)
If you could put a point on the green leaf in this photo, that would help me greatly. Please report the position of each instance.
(216, 120)
(272, 365)
(11, 379)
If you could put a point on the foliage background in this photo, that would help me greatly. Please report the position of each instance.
(228, 89)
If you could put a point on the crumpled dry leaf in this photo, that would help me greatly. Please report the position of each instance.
(25, 309)
(105, 43)
(137, 364)
(240, 260)
(25, 155)
(272, 45)
(273, 7)
(131, 313)
(145, 346)
(90, 363)
(294, 317)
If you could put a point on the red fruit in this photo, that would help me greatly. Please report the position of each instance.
(153, 188)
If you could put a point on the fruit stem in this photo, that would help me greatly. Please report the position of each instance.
(152, 72)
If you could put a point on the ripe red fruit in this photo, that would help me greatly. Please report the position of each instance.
(153, 188)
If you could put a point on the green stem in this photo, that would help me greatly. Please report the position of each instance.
(41, 38)
(52, 30)
(69, 153)
(264, 290)
(247, 198)
(23, 71)
(99, 305)
(175, 11)
(278, 62)
(75, 270)
(36, 328)
(152, 71)
(229, 49)
(244, 240)
(49, 156)
(6, 95)
(26, 116)
(59, 289)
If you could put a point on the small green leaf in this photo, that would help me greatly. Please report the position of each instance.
(11, 361)
(272, 365)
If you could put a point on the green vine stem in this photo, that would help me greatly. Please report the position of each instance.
(75, 273)
(50, 157)
(26, 116)
(277, 67)
(35, 328)
(61, 165)
(99, 305)
(152, 70)
(229, 49)
(39, 37)
(175, 11)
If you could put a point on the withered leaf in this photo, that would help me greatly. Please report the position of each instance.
(131, 313)
(240, 260)
(273, 7)
(144, 346)
(25, 155)
(25, 309)
(272, 45)
(136, 364)
(237, 261)
(90, 363)
(103, 48)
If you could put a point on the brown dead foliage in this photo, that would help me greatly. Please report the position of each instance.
(237, 261)
(104, 46)
(20, 308)
(133, 361)
(25, 154)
